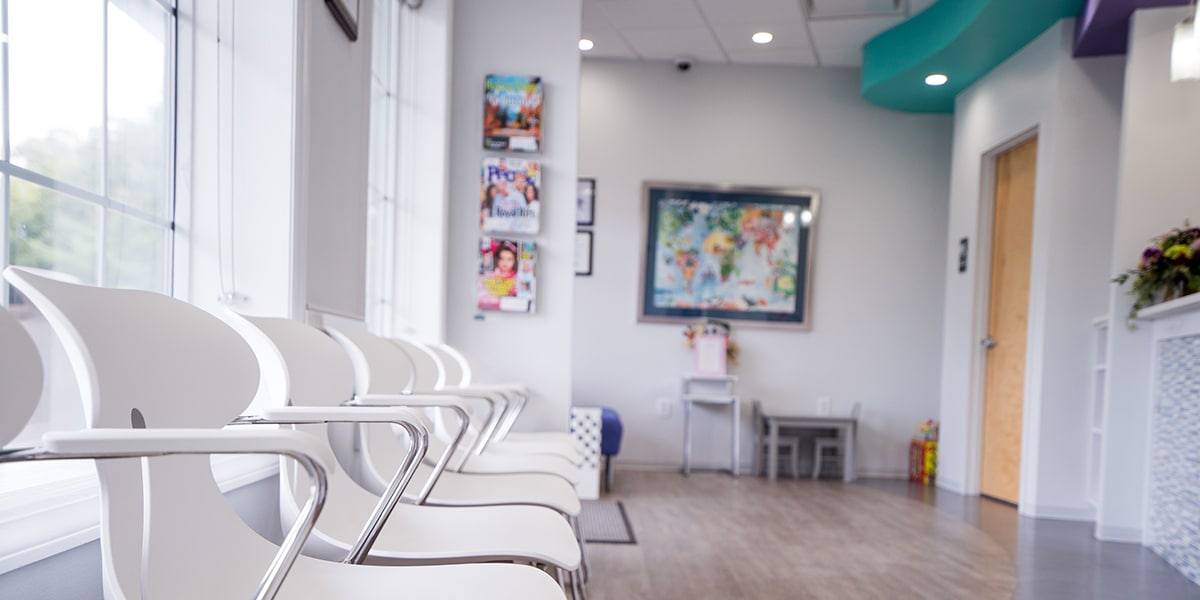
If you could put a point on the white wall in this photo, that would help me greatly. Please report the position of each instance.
(1075, 107)
(520, 37)
(879, 237)
(1160, 142)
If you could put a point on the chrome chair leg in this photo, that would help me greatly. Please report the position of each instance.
(586, 564)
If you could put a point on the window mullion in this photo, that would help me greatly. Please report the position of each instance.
(4, 200)
(104, 123)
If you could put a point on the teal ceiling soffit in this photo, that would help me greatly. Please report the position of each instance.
(962, 39)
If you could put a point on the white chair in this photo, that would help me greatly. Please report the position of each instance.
(307, 367)
(789, 445)
(146, 360)
(821, 444)
(20, 374)
(429, 377)
(459, 368)
(412, 534)
(309, 360)
(376, 360)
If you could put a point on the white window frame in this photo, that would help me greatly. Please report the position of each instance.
(382, 210)
(61, 511)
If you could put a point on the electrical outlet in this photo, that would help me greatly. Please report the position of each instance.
(824, 406)
(664, 407)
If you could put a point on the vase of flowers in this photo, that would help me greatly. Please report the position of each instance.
(1169, 268)
(702, 338)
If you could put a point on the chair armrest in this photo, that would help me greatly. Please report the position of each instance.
(307, 450)
(497, 405)
(111, 443)
(300, 415)
(421, 400)
(516, 388)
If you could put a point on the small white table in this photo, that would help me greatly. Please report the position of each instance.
(717, 391)
(845, 426)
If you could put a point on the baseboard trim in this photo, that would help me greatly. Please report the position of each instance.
(1060, 513)
(883, 474)
(952, 486)
(747, 469)
(1112, 533)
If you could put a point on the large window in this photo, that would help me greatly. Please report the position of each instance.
(87, 139)
(86, 156)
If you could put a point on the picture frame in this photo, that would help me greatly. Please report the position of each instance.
(727, 252)
(345, 12)
(585, 202)
(583, 253)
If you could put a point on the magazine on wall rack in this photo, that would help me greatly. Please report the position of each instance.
(510, 195)
(512, 113)
(506, 275)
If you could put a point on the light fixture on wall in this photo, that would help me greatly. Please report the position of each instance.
(1185, 50)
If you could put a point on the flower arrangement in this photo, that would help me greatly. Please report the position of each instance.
(1169, 268)
(712, 327)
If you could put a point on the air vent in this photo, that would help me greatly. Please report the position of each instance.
(854, 9)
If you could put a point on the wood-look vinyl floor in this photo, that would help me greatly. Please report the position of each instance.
(709, 536)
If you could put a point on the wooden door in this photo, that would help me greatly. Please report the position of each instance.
(1008, 319)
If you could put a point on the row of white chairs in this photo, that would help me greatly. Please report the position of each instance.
(446, 504)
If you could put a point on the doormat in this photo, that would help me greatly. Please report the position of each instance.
(605, 522)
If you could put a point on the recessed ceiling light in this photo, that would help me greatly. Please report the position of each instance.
(936, 79)
(762, 37)
(586, 44)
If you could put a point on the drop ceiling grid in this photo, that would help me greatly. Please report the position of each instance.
(718, 31)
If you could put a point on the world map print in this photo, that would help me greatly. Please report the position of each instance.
(734, 256)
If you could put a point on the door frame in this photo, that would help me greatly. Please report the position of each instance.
(982, 289)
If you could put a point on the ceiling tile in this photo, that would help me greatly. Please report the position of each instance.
(839, 42)
(774, 56)
(669, 44)
(854, 8)
(746, 12)
(651, 14)
(787, 35)
(594, 18)
(609, 44)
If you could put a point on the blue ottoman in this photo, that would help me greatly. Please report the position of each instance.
(610, 441)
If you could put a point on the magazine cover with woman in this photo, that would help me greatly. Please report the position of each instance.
(506, 281)
(510, 195)
(512, 113)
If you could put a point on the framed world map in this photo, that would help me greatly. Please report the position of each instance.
(727, 252)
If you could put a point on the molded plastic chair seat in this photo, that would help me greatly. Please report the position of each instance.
(429, 376)
(20, 376)
(476, 489)
(304, 367)
(377, 362)
(457, 372)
